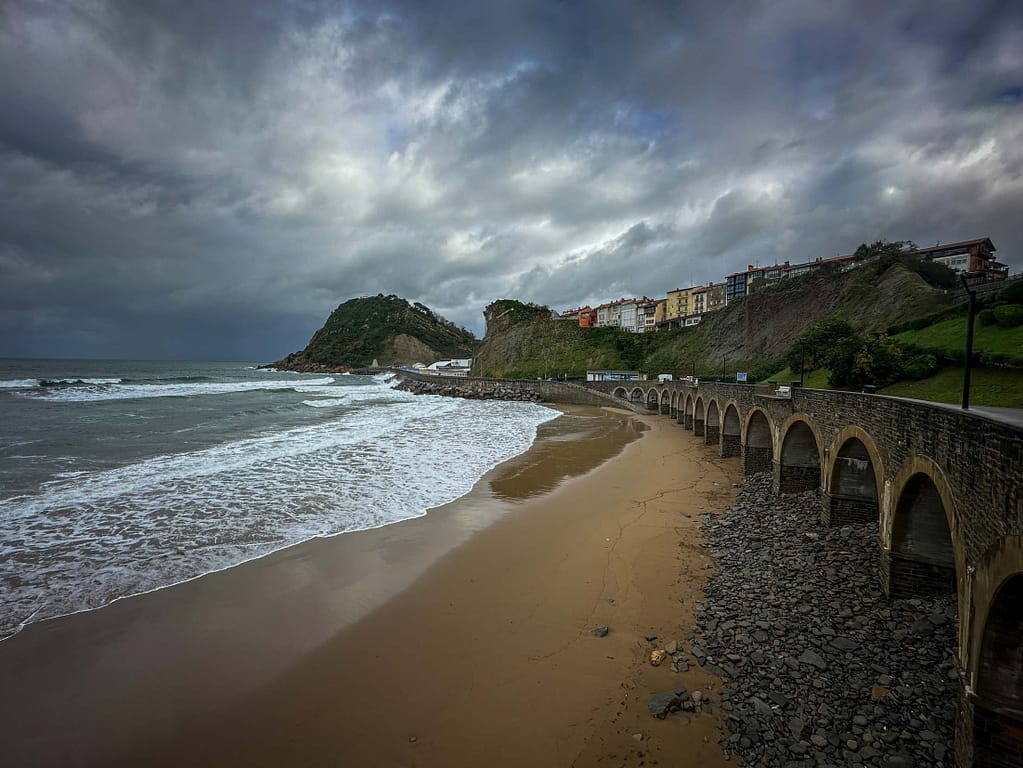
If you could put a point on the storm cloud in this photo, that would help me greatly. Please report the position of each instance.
(209, 179)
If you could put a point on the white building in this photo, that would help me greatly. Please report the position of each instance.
(458, 367)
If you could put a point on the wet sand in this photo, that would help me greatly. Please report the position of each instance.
(459, 638)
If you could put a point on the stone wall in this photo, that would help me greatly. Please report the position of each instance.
(848, 510)
(731, 445)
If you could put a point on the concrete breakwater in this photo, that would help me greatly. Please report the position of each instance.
(819, 667)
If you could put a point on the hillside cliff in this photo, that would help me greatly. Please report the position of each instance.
(524, 341)
(383, 328)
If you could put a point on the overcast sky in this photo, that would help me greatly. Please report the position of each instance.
(207, 180)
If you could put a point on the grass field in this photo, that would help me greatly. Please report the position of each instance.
(989, 386)
(812, 380)
(951, 335)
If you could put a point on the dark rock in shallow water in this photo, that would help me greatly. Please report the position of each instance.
(600, 631)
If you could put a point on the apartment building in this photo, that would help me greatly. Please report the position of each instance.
(968, 256)
(739, 284)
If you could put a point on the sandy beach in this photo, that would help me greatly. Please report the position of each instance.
(459, 638)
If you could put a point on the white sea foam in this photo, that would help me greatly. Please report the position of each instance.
(19, 383)
(113, 390)
(326, 402)
(86, 539)
(76, 380)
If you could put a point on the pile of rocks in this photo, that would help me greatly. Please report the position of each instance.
(471, 390)
(819, 667)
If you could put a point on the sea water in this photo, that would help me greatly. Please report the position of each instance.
(121, 477)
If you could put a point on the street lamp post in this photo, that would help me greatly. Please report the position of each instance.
(968, 362)
(802, 363)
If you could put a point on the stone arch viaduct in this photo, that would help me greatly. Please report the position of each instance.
(946, 488)
(944, 485)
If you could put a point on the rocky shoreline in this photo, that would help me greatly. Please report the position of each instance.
(470, 390)
(818, 667)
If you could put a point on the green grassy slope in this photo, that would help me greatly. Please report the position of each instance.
(989, 386)
(950, 336)
(811, 380)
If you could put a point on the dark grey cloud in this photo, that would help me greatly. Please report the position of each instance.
(210, 179)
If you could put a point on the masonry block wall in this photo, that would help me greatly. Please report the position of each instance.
(756, 460)
(712, 435)
(731, 445)
(848, 510)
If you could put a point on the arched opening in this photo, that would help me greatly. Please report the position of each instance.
(758, 453)
(674, 405)
(687, 418)
(698, 418)
(731, 433)
(998, 709)
(712, 427)
(800, 466)
(620, 392)
(921, 562)
(852, 492)
(665, 403)
(636, 395)
(651, 400)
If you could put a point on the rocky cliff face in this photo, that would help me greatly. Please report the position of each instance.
(524, 341)
(383, 328)
(768, 322)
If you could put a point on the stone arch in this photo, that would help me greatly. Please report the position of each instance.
(620, 392)
(1002, 561)
(652, 399)
(757, 442)
(699, 414)
(731, 431)
(637, 395)
(919, 555)
(798, 467)
(689, 408)
(674, 404)
(853, 479)
(712, 424)
(998, 707)
(665, 402)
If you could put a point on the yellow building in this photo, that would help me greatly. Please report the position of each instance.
(679, 302)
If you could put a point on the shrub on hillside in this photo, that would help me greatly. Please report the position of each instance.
(937, 274)
(814, 347)
(919, 365)
(987, 317)
(1009, 315)
(1012, 293)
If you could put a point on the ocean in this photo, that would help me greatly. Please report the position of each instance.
(118, 477)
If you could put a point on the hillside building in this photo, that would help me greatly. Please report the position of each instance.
(586, 316)
(739, 284)
(652, 311)
(968, 256)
